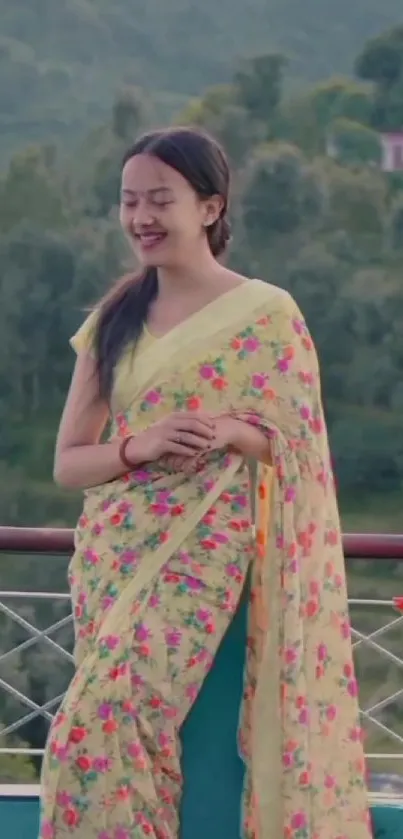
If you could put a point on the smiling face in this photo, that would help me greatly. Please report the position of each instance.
(162, 216)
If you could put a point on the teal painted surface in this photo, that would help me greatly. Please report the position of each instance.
(212, 768)
(19, 820)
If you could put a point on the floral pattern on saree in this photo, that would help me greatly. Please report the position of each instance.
(157, 574)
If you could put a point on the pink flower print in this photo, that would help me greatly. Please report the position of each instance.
(251, 344)
(314, 588)
(154, 601)
(232, 570)
(298, 326)
(62, 753)
(330, 781)
(299, 821)
(141, 632)
(206, 371)
(222, 538)
(125, 507)
(173, 637)
(316, 425)
(288, 759)
(331, 712)
(259, 381)
(304, 412)
(185, 557)
(111, 641)
(345, 629)
(129, 557)
(229, 601)
(192, 690)
(106, 504)
(164, 740)
(194, 585)
(136, 680)
(105, 711)
(63, 799)
(107, 602)
(241, 500)
(282, 365)
(290, 494)
(153, 397)
(91, 557)
(356, 734)
(160, 509)
(290, 655)
(203, 615)
(305, 377)
(135, 749)
(303, 717)
(163, 496)
(48, 831)
(322, 652)
(101, 764)
(97, 529)
(121, 833)
(352, 688)
(141, 476)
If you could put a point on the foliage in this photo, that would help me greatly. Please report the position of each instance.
(330, 231)
(354, 143)
(61, 63)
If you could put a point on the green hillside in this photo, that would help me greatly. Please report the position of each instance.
(62, 62)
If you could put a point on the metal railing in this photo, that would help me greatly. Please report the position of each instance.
(377, 710)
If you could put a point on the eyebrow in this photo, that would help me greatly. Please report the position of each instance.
(152, 192)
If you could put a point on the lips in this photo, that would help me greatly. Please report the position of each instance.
(150, 240)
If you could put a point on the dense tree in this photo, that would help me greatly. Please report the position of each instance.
(328, 229)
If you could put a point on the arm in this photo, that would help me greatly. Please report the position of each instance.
(250, 441)
(81, 461)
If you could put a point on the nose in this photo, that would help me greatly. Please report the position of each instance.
(141, 214)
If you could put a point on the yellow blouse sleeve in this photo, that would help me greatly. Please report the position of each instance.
(83, 339)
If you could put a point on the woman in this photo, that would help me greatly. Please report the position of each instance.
(201, 371)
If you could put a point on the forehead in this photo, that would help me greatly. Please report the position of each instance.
(144, 173)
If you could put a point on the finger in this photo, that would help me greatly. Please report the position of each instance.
(192, 416)
(179, 449)
(193, 441)
(195, 427)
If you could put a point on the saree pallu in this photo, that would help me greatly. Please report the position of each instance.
(159, 568)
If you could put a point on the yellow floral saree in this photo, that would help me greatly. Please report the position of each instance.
(159, 567)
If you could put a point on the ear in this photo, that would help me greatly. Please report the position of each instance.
(212, 209)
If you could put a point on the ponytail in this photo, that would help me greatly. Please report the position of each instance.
(122, 315)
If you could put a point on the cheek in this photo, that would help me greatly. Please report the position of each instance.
(186, 225)
(124, 218)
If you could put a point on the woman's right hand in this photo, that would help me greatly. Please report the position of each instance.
(184, 433)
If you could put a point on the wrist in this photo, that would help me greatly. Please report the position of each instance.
(238, 434)
(130, 452)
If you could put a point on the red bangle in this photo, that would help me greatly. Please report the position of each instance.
(122, 452)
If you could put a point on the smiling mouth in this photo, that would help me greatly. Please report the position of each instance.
(150, 240)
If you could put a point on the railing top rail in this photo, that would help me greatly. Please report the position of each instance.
(59, 540)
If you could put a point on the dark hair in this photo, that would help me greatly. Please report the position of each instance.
(123, 311)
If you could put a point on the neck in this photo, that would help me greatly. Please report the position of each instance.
(188, 279)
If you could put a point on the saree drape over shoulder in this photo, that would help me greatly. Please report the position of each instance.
(159, 566)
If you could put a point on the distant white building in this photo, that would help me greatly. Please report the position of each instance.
(392, 152)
